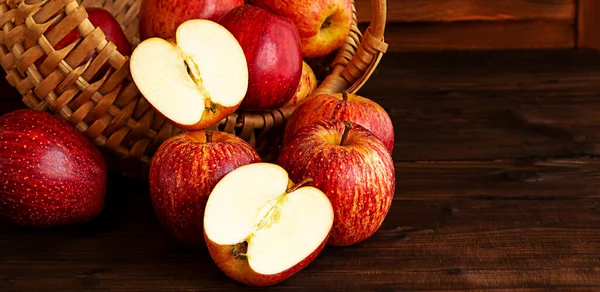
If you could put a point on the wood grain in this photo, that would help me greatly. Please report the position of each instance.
(588, 21)
(497, 190)
(484, 35)
(471, 10)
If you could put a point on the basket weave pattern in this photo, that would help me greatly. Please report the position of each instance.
(111, 111)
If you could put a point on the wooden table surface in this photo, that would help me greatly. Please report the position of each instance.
(498, 187)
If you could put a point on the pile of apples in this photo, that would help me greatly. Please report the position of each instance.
(199, 61)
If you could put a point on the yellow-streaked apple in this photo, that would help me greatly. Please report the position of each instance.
(352, 167)
(308, 84)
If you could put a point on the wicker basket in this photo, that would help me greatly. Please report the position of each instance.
(111, 111)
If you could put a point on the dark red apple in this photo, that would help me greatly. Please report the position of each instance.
(272, 47)
(111, 28)
(51, 174)
(160, 18)
(343, 107)
(352, 167)
(183, 172)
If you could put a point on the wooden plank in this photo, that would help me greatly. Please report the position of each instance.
(471, 10)
(588, 22)
(480, 35)
(423, 244)
(484, 106)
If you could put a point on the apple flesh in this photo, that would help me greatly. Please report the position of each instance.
(354, 169)
(51, 174)
(272, 48)
(260, 228)
(183, 172)
(343, 107)
(160, 18)
(196, 81)
(308, 84)
(323, 25)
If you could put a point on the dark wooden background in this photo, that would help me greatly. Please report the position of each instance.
(418, 25)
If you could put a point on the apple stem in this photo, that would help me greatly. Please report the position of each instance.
(300, 184)
(345, 95)
(209, 135)
(347, 127)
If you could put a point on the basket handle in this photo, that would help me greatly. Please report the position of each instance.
(358, 57)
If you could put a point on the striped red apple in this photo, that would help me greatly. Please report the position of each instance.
(352, 167)
(183, 172)
(344, 107)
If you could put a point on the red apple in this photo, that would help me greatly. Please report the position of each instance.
(323, 24)
(109, 25)
(160, 18)
(308, 84)
(260, 228)
(354, 169)
(183, 172)
(51, 174)
(272, 48)
(343, 107)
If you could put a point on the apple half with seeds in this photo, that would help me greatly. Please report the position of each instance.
(260, 228)
(195, 80)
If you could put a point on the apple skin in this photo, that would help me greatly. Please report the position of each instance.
(239, 269)
(109, 25)
(160, 18)
(183, 172)
(272, 48)
(308, 84)
(352, 108)
(323, 25)
(358, 177)
(51, 174)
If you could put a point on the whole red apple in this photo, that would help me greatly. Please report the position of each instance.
(272, 48)
(183, 172)
(343, 107)
(51, 174)
(160, 18)
(323, 24)
(352, 167)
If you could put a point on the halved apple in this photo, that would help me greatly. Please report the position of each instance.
(260, 228)
(195, 80)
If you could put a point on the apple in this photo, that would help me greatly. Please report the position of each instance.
(51, 174)
(308, 84)
(260, 228)
(195, 80)
(323, 25)
(160, 18)
(183, 172)
(272, 48)
(354, 169)
(112, 31)
(343, 107)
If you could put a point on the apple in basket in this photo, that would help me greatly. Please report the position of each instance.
(272, 48)
(183, 172)
(323, 25)
(197, 79)
(260, 228)
(51, 174)
(308, 84)
(343, 107)
(112, 31)
(160, 18)
(354, 169)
